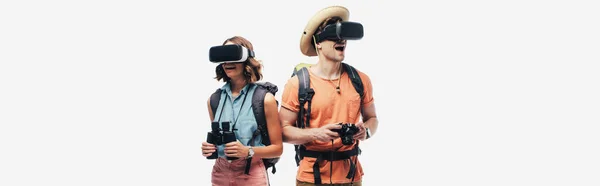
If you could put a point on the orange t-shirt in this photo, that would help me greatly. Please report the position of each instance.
(329, 107)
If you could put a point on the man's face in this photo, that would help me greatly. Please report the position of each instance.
(332, 49)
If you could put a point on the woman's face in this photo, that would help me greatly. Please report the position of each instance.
(233, 70)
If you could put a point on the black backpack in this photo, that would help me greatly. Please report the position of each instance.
(305, 94)
(258, 107)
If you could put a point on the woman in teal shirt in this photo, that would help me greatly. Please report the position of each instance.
(235, 108)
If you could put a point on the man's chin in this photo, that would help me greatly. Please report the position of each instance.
(338, 58)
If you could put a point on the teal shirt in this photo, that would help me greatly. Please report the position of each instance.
(245, 123)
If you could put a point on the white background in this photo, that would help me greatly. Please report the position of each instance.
(467, 92)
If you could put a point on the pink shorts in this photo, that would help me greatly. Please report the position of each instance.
(232, 174)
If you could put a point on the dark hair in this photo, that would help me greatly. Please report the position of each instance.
(252, 67)
(328, 21)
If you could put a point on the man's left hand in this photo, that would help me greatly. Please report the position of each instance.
(362, 132)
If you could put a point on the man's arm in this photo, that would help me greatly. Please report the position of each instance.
(298, 136)
(368, 113)
(370, 119)
(291, 133)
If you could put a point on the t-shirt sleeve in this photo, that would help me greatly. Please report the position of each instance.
(289, 98)
(368, 87)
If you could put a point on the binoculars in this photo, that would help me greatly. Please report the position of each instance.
(347, 133)
(220, 137)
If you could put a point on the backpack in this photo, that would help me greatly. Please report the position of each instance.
(258, 107)
(305, 94)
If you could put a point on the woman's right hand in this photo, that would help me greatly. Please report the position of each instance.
(208, 149)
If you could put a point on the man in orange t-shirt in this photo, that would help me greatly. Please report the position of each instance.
(324, 158)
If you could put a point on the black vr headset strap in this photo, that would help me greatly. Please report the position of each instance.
(250, 53)
(326, 33)
(338, 30)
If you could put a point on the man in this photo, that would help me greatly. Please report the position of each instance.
(323, 156)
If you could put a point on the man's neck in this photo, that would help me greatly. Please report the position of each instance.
(328, 69)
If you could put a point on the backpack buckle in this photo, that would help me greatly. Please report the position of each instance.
(309, 94)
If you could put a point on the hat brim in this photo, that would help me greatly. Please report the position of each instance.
(305, 41)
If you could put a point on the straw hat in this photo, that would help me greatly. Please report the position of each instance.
(305, 41)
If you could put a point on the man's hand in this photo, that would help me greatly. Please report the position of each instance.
(324, 133)
(208, 149)
(362, 132)
(236, 149)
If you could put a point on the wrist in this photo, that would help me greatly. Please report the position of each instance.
(312, 133)
(250, 152)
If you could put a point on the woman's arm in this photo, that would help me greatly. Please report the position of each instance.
(210, 114)
(207, 148)
(274, 128)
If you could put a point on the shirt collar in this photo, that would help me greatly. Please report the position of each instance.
(227, 88)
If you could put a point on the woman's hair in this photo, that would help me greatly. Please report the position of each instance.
(252, 67)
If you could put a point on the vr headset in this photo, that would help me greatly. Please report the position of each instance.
(341, 31)
(229, 54)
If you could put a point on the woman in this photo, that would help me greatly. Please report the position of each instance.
(234, 108)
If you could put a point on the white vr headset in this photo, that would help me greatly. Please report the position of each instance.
(229, 54)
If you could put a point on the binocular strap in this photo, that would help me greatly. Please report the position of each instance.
(239, 112)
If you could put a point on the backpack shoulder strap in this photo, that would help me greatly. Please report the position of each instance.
(258, 107)
(355, 79)
(305, 94)
(215, 98)
(300, 66)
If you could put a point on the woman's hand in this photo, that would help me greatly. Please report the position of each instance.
(208, 149)
(236, 149)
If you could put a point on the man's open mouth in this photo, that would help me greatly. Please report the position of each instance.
(340, 48)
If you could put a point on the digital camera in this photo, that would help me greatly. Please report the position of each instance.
(347, 133)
